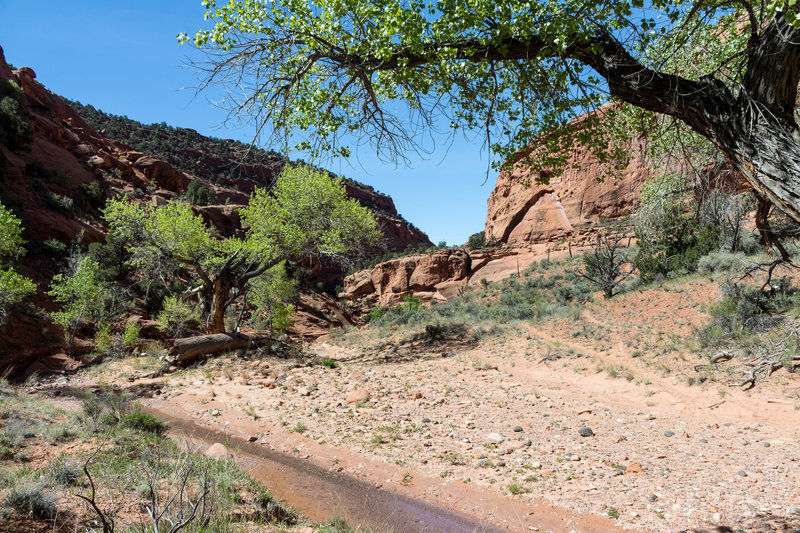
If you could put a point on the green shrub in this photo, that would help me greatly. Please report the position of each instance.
(54, 248)
(94, 194)
(65, 470)
(579, 292)
(15, 130)
(144, 422)
(103, 337)
(198, 195)
(14, 288)
(440, 331)
(34, 501)
(131, 334)
(58, 202)
(110, 256)
(376, 312)
(722, 262)
(477, 241)
(329, 363)
(177, 316)
(749, 308)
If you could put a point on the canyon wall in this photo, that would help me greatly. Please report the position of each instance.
(522, 210)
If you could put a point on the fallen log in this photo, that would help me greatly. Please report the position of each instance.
(190, 348)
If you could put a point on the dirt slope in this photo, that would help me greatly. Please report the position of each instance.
(492, 429)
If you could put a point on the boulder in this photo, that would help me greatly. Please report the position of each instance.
(436, 276)
(223, 217)
(217, 451)
(163, 174)
(56, 363)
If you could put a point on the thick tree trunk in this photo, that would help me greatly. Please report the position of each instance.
(215, 322)
(754, 128)
(190, 348)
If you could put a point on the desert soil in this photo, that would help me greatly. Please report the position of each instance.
(496, 430)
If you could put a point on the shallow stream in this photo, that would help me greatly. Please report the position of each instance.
(322, 495)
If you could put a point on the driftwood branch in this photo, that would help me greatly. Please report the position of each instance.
(190, 348)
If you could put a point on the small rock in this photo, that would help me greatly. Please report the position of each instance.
(669, 433)
(501, 463)
(651, 416)
(470, 424)
(536, 465)
(704, 441)
(357, 396)
(417, 395)
(215, 412)
(252, 438)
(527, 442)
(303, 391)
(426, 420)
(652, 498)
(517, 429)
(217, 451)
(494, 438)
(634, 468)
(585, 431)
(742, 473)
(766, 445)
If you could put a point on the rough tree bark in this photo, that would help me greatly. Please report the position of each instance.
(755, 129)
(190, 348)
(217, 293)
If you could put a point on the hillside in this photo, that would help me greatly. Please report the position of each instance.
(60, 173)
(236, 165)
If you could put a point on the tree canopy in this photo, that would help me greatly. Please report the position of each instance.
(389, 73)
(305, 213)
(13, 287)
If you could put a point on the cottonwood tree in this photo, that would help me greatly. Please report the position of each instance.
(390, 72)
(81, 293)
(305, 213)
(14, 287)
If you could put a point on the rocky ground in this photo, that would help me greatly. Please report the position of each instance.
(550, 426)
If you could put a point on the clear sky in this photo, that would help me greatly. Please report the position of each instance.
(123, 58)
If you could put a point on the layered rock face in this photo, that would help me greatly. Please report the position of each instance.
(435, 276)
(522, 211)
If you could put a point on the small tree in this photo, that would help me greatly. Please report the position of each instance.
(306, 213)
(14, 288)
(605, 266)
(81, 293)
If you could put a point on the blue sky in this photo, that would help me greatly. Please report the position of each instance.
(123, 58)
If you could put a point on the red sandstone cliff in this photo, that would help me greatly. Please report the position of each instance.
(523, 211)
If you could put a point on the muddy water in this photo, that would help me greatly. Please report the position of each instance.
(321, 495)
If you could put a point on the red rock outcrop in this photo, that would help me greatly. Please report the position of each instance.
(523, 211)
(435, 276)
(57, 185)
